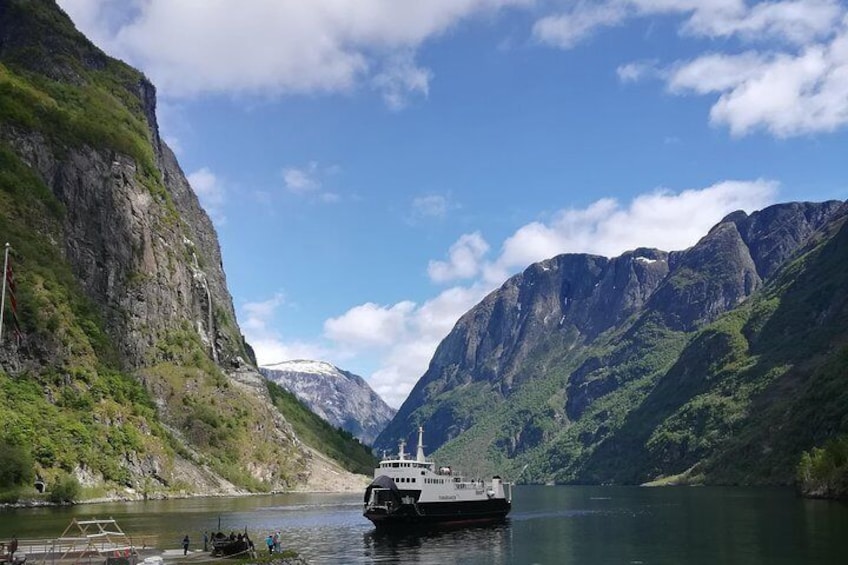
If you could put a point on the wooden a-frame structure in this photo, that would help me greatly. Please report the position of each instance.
(84, 538)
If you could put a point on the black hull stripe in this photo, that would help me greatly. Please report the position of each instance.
(431, 513)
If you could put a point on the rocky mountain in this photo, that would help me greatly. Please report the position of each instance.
(343, 399)
(706, 365)
(132, 372)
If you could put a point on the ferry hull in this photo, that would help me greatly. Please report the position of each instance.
(435, 514)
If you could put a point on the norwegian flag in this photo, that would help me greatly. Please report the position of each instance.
(13, 302)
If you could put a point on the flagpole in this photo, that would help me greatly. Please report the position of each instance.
(3, 293)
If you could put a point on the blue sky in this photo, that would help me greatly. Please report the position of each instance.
(375, 167)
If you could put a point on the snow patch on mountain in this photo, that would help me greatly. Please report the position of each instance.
(341, 398)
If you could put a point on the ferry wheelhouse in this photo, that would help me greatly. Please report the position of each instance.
(414, 492)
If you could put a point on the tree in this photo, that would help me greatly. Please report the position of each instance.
(823, 472)
(16, 466)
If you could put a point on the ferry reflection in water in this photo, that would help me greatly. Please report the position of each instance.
(470, 544)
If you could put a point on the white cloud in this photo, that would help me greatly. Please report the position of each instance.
(790, 95)
(330, 197)
(258, 314)
(464, 262)
(715, 72)
(173, 124)
(369, 325)
(796, 22)
(434, 205)
(211, 193)
(98, 19)
(661, 219)
(257, 321)
(272, 349)
(792, 21)
(404, 335)
(570, 28)
(271, 47)
(795, 85)
(636, 71)
(431, 207)
(401, 78)
(570, 230)
(301, 180)
(784, 94)
(309, 181)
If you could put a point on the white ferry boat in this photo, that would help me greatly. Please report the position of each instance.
(413, 492)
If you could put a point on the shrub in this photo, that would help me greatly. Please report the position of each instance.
(66, 490)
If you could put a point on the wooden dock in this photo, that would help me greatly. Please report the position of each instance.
(90, 542)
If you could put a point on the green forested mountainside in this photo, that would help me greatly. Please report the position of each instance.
(314, 430)
(674, 392)
(103, 388)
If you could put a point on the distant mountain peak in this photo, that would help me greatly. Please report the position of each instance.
(339, 397)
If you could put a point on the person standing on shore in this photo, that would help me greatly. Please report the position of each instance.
(186, 543)
(277, 541)
(269, 541)
(205, 541)
(13, 547)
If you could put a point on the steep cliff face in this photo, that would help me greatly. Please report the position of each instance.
(121, 281)
(151, 262)
(550, 367)
(133, 229)
(341, 398)
(579, 296)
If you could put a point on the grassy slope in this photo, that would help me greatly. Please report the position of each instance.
(532, 427)
(799, 369)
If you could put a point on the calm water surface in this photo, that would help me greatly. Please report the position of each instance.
(548, 525)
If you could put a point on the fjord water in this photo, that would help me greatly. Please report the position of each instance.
(548, 525)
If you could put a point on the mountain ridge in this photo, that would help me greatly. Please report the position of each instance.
(546, 369)
(340, 397)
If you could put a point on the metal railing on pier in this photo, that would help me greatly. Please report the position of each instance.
(83, 550)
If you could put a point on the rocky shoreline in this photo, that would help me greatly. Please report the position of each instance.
(326, 483)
